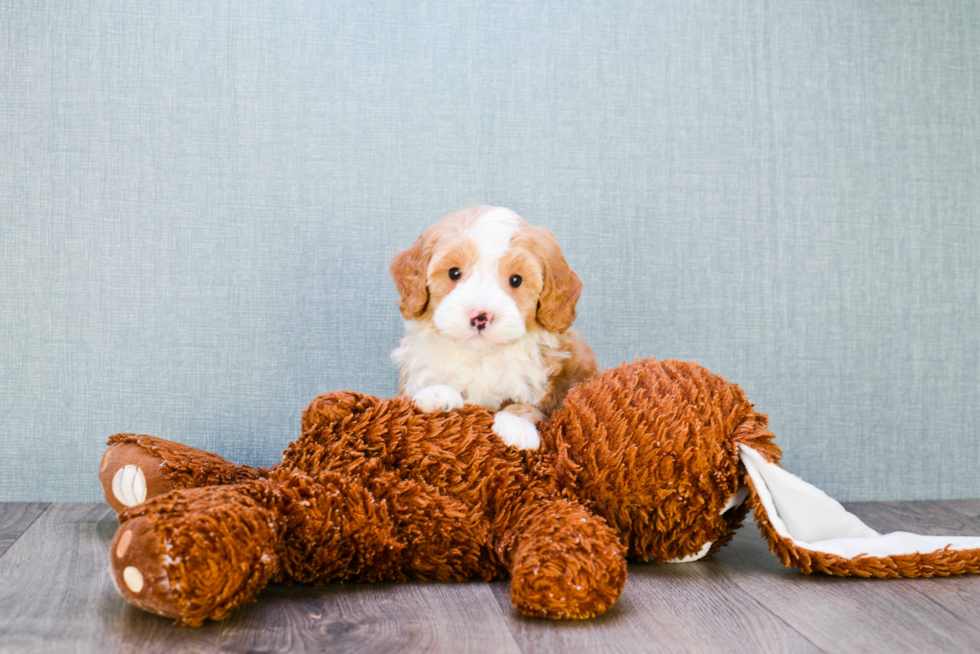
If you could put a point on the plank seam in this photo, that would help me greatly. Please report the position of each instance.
(47, 505)
(503, 618)
(760, 606)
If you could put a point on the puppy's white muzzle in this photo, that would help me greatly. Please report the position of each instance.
(479, 313)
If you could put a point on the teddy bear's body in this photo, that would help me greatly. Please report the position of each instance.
(642, 461)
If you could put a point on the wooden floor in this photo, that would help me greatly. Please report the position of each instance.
(56, 595)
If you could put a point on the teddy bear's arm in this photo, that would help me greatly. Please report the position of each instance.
(333, 407)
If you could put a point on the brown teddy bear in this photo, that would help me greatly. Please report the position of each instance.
(650, 460)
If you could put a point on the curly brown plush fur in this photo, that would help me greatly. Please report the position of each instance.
(640, 462)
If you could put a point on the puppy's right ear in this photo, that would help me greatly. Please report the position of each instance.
(408, 269)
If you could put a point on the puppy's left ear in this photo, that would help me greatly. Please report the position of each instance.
(562, 287)
(408, 269)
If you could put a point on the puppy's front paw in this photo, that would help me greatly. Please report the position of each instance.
(438, 398)
(516, 431)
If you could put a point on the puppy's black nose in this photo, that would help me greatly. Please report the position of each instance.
(480, 321)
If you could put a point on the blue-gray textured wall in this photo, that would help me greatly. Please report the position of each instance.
(198, 203)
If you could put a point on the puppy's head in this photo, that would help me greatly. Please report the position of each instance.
(483, 276)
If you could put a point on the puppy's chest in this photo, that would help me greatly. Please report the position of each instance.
(494, 380)
(516, 374)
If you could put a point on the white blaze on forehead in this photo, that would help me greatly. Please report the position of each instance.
(492, 233)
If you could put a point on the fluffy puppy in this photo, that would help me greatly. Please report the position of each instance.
(488, 303)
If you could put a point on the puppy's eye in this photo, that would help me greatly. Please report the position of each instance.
(515, 280)
(455, 273)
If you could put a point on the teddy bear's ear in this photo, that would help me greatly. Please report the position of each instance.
(332, 407)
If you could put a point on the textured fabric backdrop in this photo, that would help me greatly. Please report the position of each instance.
(198, 204)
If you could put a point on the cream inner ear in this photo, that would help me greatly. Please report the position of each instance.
(816, 522)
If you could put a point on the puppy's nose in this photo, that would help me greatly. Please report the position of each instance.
(480, 319)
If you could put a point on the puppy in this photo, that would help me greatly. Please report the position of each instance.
(488, 303)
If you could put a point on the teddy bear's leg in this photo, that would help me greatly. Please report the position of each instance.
(443, 538)
(566, 562)
(136, 468)
(197, 553)
(393, 529)
(334, 529)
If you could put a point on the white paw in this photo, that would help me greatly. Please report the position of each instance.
(438, 398)
(516, 431)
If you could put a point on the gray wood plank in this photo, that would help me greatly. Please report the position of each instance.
(939, 517)
(848, 614)
(15, 518)
(969, 508)
(56, 595)
(959, 594)
(664, 608)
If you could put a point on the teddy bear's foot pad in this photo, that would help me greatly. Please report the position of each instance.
(130, 474)
(138, 570)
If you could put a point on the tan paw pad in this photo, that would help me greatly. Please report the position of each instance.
(123, 544)
(138, 570)
(133, 579)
